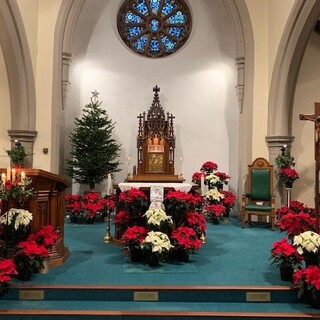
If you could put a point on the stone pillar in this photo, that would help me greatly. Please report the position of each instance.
(26, 138)
(275, 144)
(240, 63)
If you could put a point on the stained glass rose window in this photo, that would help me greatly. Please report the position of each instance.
(154, 28)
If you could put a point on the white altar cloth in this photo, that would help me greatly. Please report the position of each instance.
(124, 186)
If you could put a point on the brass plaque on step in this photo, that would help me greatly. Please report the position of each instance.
(31, 295)
(146, 296)
(258, 296)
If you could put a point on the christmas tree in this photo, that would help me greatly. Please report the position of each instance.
(94, 152)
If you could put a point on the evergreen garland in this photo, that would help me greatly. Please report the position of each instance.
(94, 152)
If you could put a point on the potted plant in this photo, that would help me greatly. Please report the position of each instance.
(15, 226)
(307, 245)
(131, 240)
(197, 222)
(308, 282)
(7, 271)
(17, 154)
(94, 151)
(288, 176)
(294, 224)
(156, 246)
(196, 177)
(134, 201)
(213, 181)
(185, 241)
(284, 160)
(286, 257)
(208, 167)
(158, 220)
(29, 258)
(215, 211)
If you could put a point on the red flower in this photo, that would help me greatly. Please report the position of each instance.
(196, 221)
(32, 250)
(295, 224)
(122, 217)
(222, 176)
(308, 280)
(46, 236)
(288, 175)
(132, 195)
(7, 270)
(196, 177)
(229, 198)
(209, 166)
(186, 238)
(134, 235)
(216, 209)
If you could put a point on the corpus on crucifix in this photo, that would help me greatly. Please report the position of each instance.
(316, 119)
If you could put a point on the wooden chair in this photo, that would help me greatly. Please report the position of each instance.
(259, 200)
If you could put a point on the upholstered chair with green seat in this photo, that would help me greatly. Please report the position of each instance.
(259, 200)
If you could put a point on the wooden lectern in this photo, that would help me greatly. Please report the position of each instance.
(48, 207)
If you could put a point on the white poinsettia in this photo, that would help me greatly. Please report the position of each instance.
(16, 217)
(157, 241)
(307, 241)
(214, 195)
(212, 179)
(157, 217)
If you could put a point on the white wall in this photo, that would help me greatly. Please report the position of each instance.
(307, 93)
(197, 86)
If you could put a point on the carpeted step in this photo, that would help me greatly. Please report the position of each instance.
(152, 310)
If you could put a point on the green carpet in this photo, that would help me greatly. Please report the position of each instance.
(231, 256)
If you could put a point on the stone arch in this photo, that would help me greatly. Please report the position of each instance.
(298, 29)
(18, 63)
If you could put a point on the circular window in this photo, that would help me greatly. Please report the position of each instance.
(154, 28)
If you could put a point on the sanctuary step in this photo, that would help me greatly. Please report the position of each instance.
(153, 302)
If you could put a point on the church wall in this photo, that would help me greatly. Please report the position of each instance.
(47, 114)
(29, 13)
(306, 94)
(197, 86)
(5, 119)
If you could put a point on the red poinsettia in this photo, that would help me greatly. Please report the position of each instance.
(215, 210)
(222, 176)
(186, 238)
(285, 254)
(295, 224)
(7, 270)
(196, 177)
(229, 199)
(196, 221)
(46, 236)
(209, 166)
(288, 175)
(308, 280)
(122, 217)
(132, 195)
(134, 236)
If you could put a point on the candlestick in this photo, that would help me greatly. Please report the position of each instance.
(202, 185)
(13, 174)
(3, 178)
(109, 185)
(8, 173)
(23, 176)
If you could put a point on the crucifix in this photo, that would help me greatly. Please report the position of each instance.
(316, 119)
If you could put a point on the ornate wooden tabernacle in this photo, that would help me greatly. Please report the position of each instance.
(155, 145)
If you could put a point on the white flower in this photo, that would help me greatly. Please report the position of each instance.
(157, 216)
(157, 242)
(308, 241)
(212, 178)
(18, 217)
(214, 194)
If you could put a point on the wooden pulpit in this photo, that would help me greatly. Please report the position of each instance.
(48, 207)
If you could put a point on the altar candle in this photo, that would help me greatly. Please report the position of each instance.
(13, 174)
(109, 185)
(8, 173)
(23, 176)
(3, 178)
(202, 185)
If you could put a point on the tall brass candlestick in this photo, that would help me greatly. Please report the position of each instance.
(108, 238)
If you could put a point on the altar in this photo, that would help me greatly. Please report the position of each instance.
(145, 186)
